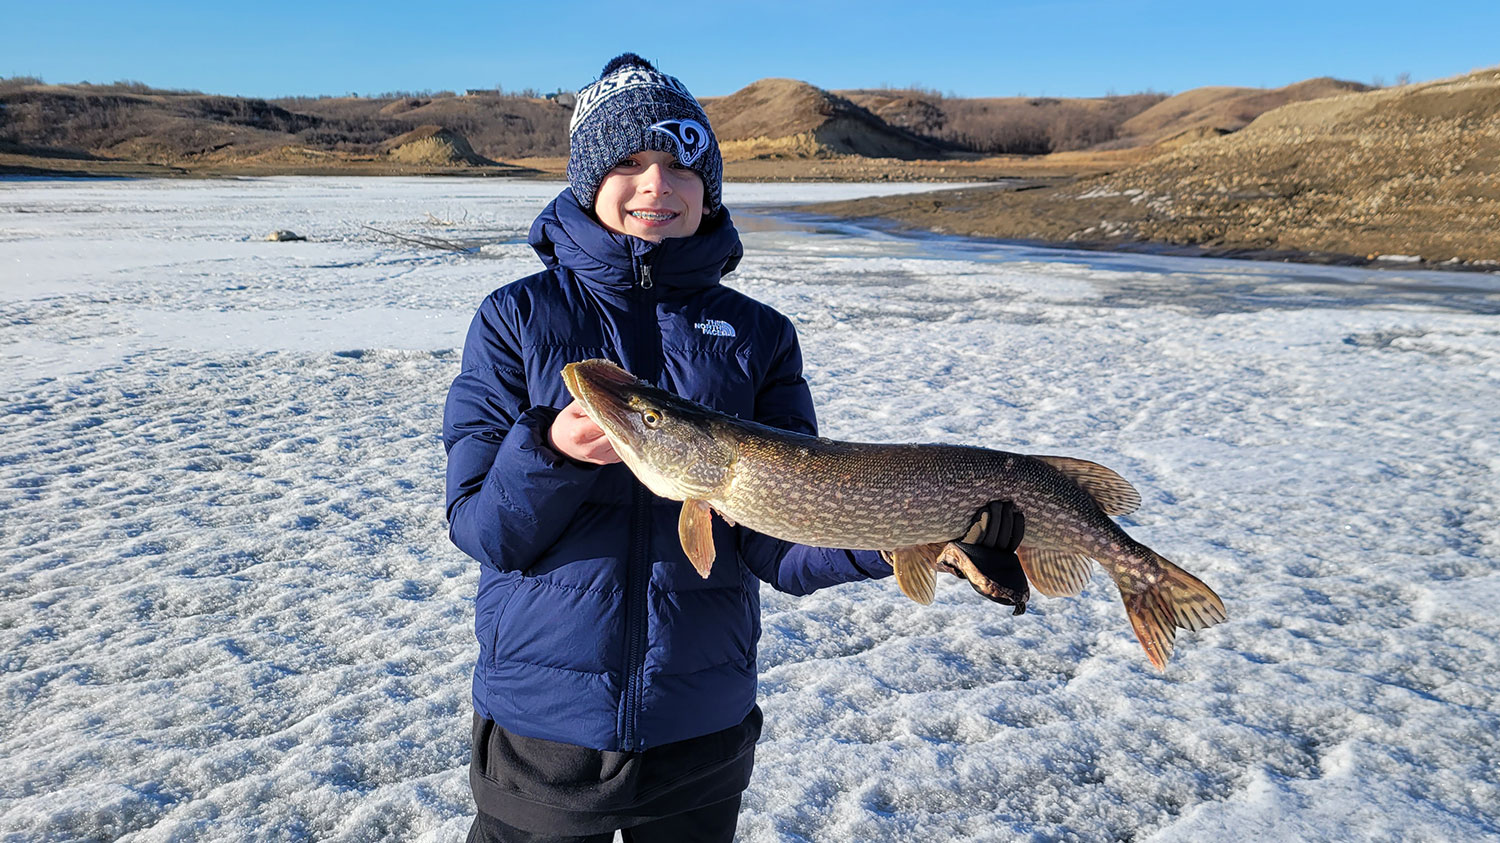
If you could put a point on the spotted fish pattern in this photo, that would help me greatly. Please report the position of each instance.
(904, 499)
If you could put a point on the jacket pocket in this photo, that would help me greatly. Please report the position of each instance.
(494, 619)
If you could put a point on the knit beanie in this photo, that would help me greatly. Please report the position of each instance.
(634, 107)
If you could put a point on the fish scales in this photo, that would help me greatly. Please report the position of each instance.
(908, 501)
(878, 497)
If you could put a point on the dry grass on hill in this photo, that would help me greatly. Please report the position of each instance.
(498, 127)
(149, 126)
(1220, 110)
(787, 118)
(1323, 166)
(133, 122)
(1007, 125)
(773, 120)
(435, 146)
(1411, 171)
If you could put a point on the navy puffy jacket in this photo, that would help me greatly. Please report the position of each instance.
(593, 627)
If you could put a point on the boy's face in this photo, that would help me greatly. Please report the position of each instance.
(651, 196)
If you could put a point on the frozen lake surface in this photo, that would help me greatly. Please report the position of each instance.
(229, 609)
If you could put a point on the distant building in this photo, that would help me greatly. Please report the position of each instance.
(481, 92)
(566, 99)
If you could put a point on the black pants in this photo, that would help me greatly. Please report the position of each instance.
(710, 824)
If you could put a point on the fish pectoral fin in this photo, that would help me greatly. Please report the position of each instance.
(696, 530)
(1113, 493)
(914, 572)
(1055, 573)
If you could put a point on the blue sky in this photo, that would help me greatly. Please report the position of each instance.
(1080, 48)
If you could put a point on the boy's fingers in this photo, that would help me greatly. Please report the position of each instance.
(576, 435)
(602, 453)
(582, 422)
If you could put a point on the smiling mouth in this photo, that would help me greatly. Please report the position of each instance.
(654, 216)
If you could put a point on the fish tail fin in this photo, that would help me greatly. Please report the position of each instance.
(1178, 599)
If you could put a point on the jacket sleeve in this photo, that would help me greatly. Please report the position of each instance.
(784, 401)
(510, 495)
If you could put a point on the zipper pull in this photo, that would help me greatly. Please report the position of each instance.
(646, 276)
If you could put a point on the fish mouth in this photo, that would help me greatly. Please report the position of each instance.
(603, 390)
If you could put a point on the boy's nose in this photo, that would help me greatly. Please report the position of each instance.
(654, 180)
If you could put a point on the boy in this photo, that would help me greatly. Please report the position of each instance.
(615, 688)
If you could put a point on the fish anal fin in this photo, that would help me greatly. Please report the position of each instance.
(914, 570)
(695, 528)
(1055, 573)
(1113, 493)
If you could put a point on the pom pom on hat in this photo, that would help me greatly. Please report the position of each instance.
(624, 60)
(634, 107)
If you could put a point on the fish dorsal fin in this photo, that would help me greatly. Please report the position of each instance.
(1055, 573)
(914, 573)
(1113, 493)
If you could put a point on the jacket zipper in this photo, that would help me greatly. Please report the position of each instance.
(638, 572)
(637, 577)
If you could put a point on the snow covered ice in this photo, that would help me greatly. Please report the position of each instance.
(230, 610)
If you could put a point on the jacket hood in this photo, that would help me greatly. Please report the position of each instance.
(566, 235)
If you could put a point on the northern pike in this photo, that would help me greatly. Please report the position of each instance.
(908, 501)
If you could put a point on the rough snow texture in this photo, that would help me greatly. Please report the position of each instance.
(230, 610)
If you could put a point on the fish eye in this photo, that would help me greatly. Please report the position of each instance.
(651, 418)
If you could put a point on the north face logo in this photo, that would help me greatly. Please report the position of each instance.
(715, 328)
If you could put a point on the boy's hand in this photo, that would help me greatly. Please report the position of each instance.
(574, 435)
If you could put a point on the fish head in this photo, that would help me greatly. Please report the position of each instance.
(667, 441)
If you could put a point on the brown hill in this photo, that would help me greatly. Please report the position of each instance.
(1201, 112)
(136, 123)
(497, 126)
(433, 146)
(1409, 170)
(1412, 171)
(1178, 111)
(768, 120)
(1044, 125)
(139, 123)
(788, 118)
(1006, 125)
(402, 105)
(917, 111)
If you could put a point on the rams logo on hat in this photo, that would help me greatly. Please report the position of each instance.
(691, 137)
